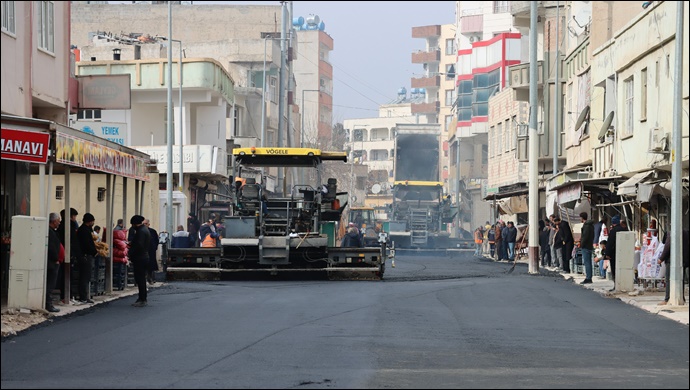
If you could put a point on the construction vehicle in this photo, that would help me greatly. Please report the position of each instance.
(365, 220)
(295, 232)
(420, 212)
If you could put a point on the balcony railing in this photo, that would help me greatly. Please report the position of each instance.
(426, 82)
(519, 75)
(426, 31)
(472, 24)
(425, 108)
(423, 57)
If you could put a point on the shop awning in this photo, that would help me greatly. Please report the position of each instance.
(645, 191)
(629, 187)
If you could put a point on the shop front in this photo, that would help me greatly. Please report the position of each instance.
(37, 155)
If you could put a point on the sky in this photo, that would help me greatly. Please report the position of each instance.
(372, 47)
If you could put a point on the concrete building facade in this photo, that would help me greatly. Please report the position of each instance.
(314, 81)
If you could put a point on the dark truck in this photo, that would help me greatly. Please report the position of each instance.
(420, 211)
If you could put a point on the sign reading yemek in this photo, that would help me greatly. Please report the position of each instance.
(112, 131)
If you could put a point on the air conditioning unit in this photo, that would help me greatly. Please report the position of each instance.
(474, 38)
(658, 140)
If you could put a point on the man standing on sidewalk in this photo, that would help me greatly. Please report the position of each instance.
(139, 244)
(587, 246)
(611, 249)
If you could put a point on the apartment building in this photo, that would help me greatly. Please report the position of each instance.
(313, 74)
(437, 83)
(487, 44)
(245, 40)
(625, 140)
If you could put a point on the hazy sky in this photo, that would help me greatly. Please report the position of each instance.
(373, 46)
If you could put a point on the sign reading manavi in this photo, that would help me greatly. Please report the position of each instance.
(22, 145)
(81, 153)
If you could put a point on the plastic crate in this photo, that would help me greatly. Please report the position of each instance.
(119, 276)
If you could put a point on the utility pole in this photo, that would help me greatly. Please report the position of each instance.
(676, 278)
(281, 95)
(533, 146)
(169, 176)
(557, 98)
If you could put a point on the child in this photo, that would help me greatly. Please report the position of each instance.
(599, 259)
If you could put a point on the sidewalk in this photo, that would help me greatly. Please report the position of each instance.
(17, 320)
(646, 299)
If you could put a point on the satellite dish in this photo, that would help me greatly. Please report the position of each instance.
(605, 127)
(581, 119)
(376, 188)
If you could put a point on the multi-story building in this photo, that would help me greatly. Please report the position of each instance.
(625, 140)
(244, 40)
(487, 44)
(437, 82)
(314, 80)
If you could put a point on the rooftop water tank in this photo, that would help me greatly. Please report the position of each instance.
(322, 26)
(313, 20)
(298, 22)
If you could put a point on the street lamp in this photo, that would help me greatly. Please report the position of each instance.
(301, 132)
(181, 181)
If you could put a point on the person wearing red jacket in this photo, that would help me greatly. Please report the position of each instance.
(120, 252)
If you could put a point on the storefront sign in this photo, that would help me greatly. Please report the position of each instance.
(28, 146)
(112, 131)
(82, 153)
(570, 193)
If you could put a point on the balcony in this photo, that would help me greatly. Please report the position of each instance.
(518, 79)
(423, 57)
(426, 31)
(425, 108)
(472, 24)
(426, 82)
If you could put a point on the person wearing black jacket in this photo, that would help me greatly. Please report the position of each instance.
(139, 245)
(544, 247)
(611, 248)
(510, 237)
(53, 260)
(587, 246)
(86, 259)
(568, 244)
(153, 248)
(74, 247)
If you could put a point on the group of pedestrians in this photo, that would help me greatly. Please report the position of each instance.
(206, 235)
(501, 238)
(138, 245)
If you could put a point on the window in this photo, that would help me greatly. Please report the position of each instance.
(514, 133)
(492, 132)
(59, 192)
(629, 106)
(501, 6)
(485, 154)
(94, 115)
(449, 120)
(508, 133)
(450, 47)
(273, 92)
(499, 137)
(101, 194)
(643, 95)
(46, 26)
(450, 97)
(8, 24)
